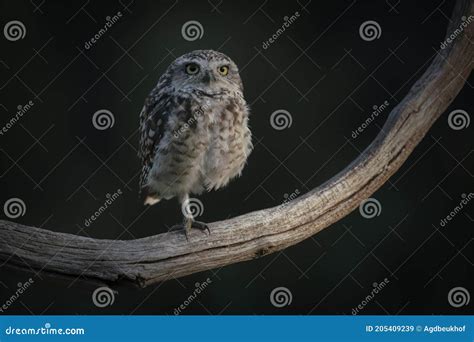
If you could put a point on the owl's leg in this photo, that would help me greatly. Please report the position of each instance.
(189, 221)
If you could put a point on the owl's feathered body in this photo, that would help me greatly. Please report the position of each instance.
(194, 128)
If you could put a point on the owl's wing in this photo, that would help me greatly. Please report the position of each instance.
(153, 119)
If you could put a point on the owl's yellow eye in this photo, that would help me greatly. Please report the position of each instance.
(192, 69)
(223, 70)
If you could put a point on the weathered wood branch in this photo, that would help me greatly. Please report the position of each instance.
(157, 258)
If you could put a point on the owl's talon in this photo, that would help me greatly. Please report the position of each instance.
(187, 226)
(180, 228)
(202, 226)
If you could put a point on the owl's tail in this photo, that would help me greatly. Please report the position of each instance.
(149, 200)
(149, 197)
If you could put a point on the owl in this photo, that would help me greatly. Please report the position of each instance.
(194, 134)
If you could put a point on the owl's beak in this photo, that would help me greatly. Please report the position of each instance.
(207, 78)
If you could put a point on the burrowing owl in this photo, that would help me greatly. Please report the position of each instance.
(194, 130)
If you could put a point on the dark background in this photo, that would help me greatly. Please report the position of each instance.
(320, 70)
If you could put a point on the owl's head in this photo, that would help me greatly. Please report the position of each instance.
(206, 70)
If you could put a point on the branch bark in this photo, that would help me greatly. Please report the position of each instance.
(157, 258)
